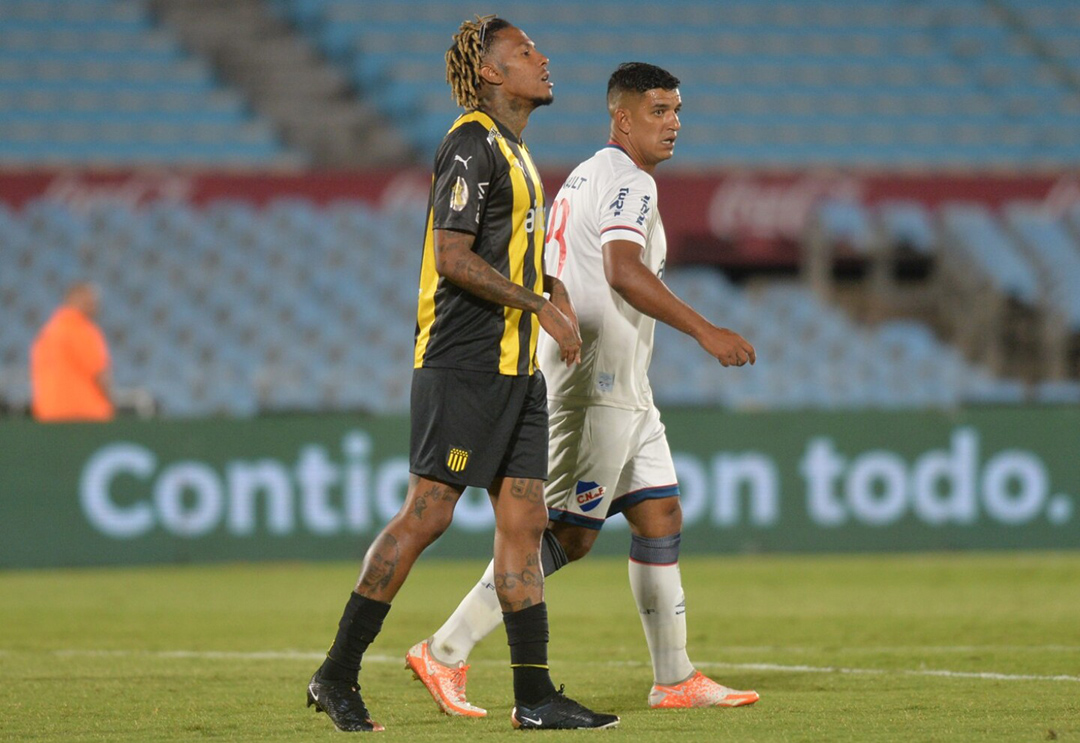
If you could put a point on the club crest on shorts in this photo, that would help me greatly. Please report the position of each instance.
(589, 494)
(457, 459)
(605, 382)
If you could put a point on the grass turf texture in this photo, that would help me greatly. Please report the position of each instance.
(224, 652)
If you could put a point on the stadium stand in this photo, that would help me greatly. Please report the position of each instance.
(228, 309)
(1001, 287)
(225, 308)
(96, 83)
(1053, 253)
(312, 102)
(767, 83)
(772, 83)
(1051, 26)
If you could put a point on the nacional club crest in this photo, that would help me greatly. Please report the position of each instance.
(605, 382)
(457, 459)
(589, 494)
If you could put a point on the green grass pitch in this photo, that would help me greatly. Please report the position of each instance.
(941, 647)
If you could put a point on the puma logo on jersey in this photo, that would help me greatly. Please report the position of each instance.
(463, 161)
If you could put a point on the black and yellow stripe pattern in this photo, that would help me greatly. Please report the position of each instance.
(504, 209)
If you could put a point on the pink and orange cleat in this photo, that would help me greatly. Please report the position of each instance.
(446, 683)
(698, 691)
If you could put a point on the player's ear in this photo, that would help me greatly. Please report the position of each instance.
(621, 119)
(490, 74)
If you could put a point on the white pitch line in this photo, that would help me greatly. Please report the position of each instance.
(985, 675)
(906, 649)
(207, 654)
(778, 667)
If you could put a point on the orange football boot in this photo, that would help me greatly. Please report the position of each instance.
(446, 683)
(698, 691)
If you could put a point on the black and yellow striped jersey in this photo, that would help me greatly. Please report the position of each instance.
(485, 183)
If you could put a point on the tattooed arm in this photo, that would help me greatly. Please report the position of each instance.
(556, 290)
(456, 262)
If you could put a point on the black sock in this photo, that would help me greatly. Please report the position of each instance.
(360, 623)
(527, 635)
(552, 554)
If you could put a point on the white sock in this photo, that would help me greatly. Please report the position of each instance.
(662, 605)
(475, 617)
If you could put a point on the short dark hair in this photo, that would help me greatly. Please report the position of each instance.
(639, 77)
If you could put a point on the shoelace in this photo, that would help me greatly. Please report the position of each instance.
(457, 678)
(578, 707)
(363, 711)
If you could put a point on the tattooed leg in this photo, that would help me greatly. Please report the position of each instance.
(426, 513)
(520, 518)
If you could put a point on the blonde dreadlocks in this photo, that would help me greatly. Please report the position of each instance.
(464, 57)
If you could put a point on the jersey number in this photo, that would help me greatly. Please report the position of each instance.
(560, 215)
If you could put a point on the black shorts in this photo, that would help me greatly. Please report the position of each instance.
(469, 427)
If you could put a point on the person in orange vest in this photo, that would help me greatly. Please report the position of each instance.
(69, 362)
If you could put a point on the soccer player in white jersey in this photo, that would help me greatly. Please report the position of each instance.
(608, 449)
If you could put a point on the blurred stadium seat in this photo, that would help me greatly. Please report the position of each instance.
(1055, 256)
(95, 82)
(766, 83)
(231, 309)
(990, 250)
(999, 285)
(226, 310)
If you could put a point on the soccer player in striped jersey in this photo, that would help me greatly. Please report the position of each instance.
(608, 449)
(478, 405)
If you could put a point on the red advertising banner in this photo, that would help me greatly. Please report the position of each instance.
(759, 219)
(732, 219)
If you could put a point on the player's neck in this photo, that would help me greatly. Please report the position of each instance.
(513, 114)
(632, 153)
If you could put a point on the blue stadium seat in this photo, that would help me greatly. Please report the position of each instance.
(1054, 253)
(886, 84)
(974, 231)
(908, 223)
(846, 222)
(97, 84)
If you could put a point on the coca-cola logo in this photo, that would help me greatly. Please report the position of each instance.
(757, 208)
(82, 191)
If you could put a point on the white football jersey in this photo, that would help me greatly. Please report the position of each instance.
(606, 198)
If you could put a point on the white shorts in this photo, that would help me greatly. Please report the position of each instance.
(602, 460)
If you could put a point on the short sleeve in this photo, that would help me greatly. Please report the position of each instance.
(625, 208)
(464, 167)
